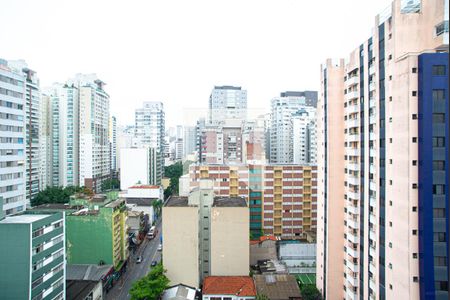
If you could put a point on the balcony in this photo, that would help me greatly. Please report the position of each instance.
(351, 295)
(353, 195)
(352, 108)
(372, 201)
(372, 86)
(353, 252)
(373, 185)
(352, 123)
(352, 81)
(353, 166)
(372, 168)
(352, 266)
(373, 118)
(372, 69)
(352, 95)
(352, 137)
(352, 223)
(372, 284)
(352, 209)
(372, 251)
(372, 136)
(353, 180)
(372, 235)
(352, 280)
(372, 102)
(352, 237)
(373, 152)
(352, 151)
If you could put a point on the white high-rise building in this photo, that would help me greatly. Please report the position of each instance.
(95, 163)
(281, 129)
(45, 144)
(139, 166)
(63, 156)
(32, 119)
(12, 136)
(304, 136)
(227, 102)
(150, 126)
(189, 140)
(112, 136)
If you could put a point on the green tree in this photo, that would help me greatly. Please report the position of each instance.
(151, 286)
(157, 206)
(262, 297)
(110, 184)
(56, 195)
(310, 292)
(174, 172)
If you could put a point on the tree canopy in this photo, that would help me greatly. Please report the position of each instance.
(110, 184)
(56, 195)
(151, 286)
(310, 292)
(174, 172)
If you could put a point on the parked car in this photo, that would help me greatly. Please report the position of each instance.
(160, 247)
(139, 259)
(154, 263)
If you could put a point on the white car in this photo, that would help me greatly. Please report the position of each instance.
(160, 247)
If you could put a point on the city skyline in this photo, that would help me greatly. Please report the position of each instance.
(211, 46)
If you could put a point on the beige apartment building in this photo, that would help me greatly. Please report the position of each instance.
(383, 192)
(205, 235)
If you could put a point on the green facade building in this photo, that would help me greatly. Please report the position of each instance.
(96, 234)
(32, 255)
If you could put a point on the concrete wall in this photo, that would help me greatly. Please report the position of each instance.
(180, 245)
(134, 167)
(230, 255)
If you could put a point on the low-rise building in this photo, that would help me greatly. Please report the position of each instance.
(277, 287)
(205, 235)
(32, 255)
(265, 248)
(300, 258)
(83, 290)
(181, 292)
(102, 276)
(141, 198)
(229, 288)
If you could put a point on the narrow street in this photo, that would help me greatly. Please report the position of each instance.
(135, 271)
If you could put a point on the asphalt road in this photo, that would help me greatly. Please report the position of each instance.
(135, 271)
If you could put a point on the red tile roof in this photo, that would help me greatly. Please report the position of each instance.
(229, 285)
(144, 187)
(262, 239)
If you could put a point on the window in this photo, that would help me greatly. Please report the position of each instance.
(414, 185)
(441, 285)
(38, 232)
(438, 165)
(414, 140)
(414, 231)
(414, 93)
(438, 95)
(414, 162)
(414, 208)
(440, 261)
(438, 118)
(438, 189)
(414, 255)
(415, 279)
(439, 70)
(438, 142)
(438, 213)
(439, 237)
(414, 116)
(414, 70)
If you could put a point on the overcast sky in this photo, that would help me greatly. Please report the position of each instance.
(176, 51)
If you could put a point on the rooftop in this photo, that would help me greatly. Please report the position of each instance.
(87, 272)
(177, 201)
(229, 202)
(263, 238)
(57, 206)
(277, 287)
(141, 201)
(79, 289)
(23, 219)
(242, 286)
(144, 187)
(179, 292)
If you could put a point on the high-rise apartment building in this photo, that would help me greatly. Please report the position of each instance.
(283, 110)
(189, 140)
(282, 198)
(32, 255)
(304, 136)
(112, 137)
(213, 233)
(64, 135)
(150, 126)
(32, 120)
(95, 163)
(12, 138)
(227, 102)
(45, 142)
(309, 96)
(383, 161)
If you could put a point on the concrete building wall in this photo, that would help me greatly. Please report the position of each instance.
(230, 254)
(134, 167)
(180, 245)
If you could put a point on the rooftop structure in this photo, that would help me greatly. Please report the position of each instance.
(278, 287)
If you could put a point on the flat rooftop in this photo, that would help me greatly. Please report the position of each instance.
(229, 202)
(23, 219)
(177, 201)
